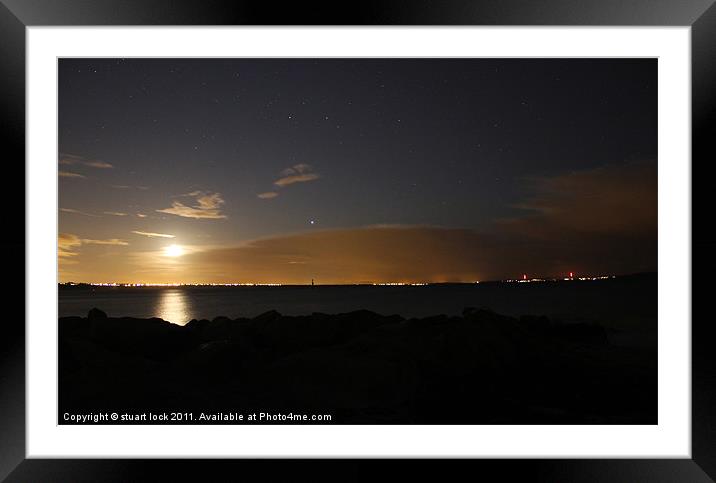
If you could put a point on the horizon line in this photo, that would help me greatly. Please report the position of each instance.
(275, 284)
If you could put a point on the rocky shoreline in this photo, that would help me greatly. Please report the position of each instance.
(360, 367)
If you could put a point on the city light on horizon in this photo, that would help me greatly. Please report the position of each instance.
(277, 284)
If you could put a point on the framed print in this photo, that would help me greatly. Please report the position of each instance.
(414, 231)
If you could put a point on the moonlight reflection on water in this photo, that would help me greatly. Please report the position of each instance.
(174, 306)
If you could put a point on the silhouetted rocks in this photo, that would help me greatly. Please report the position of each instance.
(269, 316)
(96, 313)
(362, 367)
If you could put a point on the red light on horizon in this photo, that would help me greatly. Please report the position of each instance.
(524, 276)
(571, 275)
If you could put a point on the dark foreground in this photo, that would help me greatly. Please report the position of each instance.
(358, 367)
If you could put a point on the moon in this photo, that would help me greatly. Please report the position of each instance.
(173, 251)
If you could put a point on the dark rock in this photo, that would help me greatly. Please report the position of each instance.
(535, 320)
(96, 314)
(482, 368)
(429, 321)
(269, 316)
(220, 328)
(476, 311)
(153, 338)
(72, 326)
(213, 346)
(583, 333)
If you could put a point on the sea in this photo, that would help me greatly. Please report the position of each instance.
(621, 302)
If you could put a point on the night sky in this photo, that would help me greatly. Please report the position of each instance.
(355, 170)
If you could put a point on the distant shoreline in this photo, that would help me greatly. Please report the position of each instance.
(591, 278)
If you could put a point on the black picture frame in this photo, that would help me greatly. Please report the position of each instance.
(16, 15)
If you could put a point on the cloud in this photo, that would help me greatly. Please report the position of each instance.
(296, 169)
(299, 173)
(614, 200)
(601, 220)
(78, 212)
(115, 213)
(409, 254)
(141, 215)
(98, 164)
(111, 241)
(299, 178)
(68, 244)
(153, 235)
(268, 195)
(68, 174)
(412, 254)
(127, 187)
(70, 159)
(207, 206)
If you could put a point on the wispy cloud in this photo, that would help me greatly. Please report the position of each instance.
(68, 174)
(583, 204)
(299, 173)
(141, 215)
(78, 212)
(68, 244)
(70, 159)
(207, 206)
(268, 195)
(296, 169)
(98, 164)
(110, 241)
(128, 187)
(153, 235)
(115, 213)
